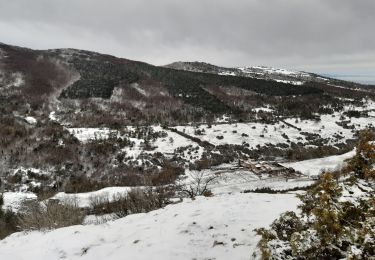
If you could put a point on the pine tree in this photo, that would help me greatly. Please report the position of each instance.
(362, 163)
(326, 212)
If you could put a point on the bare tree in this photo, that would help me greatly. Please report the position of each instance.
(198, 185)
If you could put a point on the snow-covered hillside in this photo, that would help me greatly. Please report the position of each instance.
(220, 227)
(314, 167)
(102, 138)
(260, 72)
(282, 75)
(229, 178)
(333, 129)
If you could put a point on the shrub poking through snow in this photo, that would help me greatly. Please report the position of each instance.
(362, 164)
(35, 215)
(135, 201)
(198, 185)
(337, 219)
(8, 223)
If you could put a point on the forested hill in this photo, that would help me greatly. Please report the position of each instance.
(115, 89)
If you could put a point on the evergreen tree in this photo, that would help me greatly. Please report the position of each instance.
(326, 212)
(362, 163)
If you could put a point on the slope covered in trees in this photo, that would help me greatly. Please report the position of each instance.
(110, 89)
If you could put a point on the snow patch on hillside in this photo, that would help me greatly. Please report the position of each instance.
(139, 89)
(252, 133)
(227, 73)
(87, 134)
(83, 200)
(231, 179)
(271, 70)
(52, 116)
(13, 200)
(315, 167)
(297, 83)
(31, 120)
(11, 79)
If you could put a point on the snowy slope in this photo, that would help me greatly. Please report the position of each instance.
(314, 167)
(260, 72)
(13, 200)
(332, 128)
(252, 133)
(231, 179)
(84, 199)
(220, 227)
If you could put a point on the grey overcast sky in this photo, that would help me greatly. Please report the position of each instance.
(327, 36)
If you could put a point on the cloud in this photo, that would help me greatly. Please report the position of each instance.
(311, 35)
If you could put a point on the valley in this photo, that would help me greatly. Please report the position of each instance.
(189, 155)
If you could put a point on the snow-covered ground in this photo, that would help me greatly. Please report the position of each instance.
(330, 128)
(314, 167)
(369, 105)
(263, 109)
(271, 70)
(166, 145)
(86, 134)
(173, 141)
(31, 120)
(84, 199)
(231, 179)
(274, 183)
(261, 134)
(279, 75)
(13, 200)
(293, 82)
(252, 133)
(29, 178)
(219, 227)
(10, 80)
(327, 127)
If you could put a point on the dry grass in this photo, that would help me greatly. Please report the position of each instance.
(50, 214)
(8, 221)
(135, 201)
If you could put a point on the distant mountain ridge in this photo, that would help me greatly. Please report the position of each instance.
(89, 88)
(259, 72)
